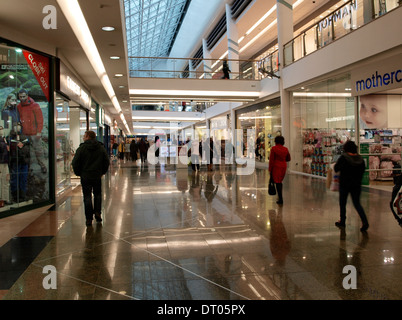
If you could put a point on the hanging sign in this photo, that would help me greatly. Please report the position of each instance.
(40, 68)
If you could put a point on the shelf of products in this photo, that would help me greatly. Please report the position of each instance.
(383, 150)
(321, 147)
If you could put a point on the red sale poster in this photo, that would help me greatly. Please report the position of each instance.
(40, 67)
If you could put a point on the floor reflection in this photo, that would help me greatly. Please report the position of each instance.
(172, 233)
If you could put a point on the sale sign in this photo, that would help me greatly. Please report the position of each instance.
(40, 67)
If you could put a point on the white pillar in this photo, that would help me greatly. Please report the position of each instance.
(207, 63)
(233, 132)
(233, 43)
(191, 69)
(284, 12)
(75, 134)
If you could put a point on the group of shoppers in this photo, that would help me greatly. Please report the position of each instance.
(91, 162)
(350, 167)
(136, 149)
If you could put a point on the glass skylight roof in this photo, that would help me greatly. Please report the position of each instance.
(151, 26)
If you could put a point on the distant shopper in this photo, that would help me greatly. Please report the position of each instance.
(121, 150)
(226, 70)
(91, 163)
(133, 150)
(143, 150)
(115, 146)
(351, 167)
(157, 146)
(278, 159)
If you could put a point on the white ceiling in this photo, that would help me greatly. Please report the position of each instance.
(21, 21)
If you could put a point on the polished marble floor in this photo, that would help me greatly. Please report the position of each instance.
(169, 233)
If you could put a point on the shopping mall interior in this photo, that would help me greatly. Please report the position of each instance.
(187, 98)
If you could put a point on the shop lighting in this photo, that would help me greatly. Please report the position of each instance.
(73, 13)
(163, 118)
(194, 93)
(266, 15)
(321, 94)
(297, 3)
(258, 36)
(260, 117)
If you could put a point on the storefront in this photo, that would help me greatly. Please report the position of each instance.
(73, 105)
(378, 88)
(363, 105)
(264, 120)
(322, 118)
(220, 131)
(26, 142)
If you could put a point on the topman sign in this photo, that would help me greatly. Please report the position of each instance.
(381, 76)
(347, 14)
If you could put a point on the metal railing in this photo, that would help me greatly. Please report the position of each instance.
(193, 68)
(350, 16)
(269, 65)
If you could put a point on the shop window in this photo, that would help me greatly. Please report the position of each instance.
(63, 145)
(323, 119)
(265, 121)
(380, 136)
(24, 128)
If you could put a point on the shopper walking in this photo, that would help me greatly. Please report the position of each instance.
(278, 159)
(91, 163)
(143, 150)
(226, 70)
(351, 167)
(133, 150)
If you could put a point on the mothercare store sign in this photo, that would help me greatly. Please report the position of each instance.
(378, 77)
(70, 86)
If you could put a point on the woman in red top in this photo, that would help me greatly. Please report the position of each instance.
(277, 165)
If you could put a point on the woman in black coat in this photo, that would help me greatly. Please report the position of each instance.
(351, 168)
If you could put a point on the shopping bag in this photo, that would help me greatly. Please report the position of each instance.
(335, 180)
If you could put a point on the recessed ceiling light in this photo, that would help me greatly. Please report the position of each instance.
(108, 28)
(121, 87)
(115, 57)
(124, 101)
(118, 75)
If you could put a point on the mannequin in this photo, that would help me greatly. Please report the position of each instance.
(19, 161)
(4, 172)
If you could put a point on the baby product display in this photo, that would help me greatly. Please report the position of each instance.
(321, 147)
(384, 152)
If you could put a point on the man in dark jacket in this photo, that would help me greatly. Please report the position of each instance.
(351, 168)
(91, 163)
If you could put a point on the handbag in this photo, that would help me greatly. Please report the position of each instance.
(271, 187)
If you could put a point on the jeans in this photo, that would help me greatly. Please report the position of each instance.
(343, 197)
(90, 186)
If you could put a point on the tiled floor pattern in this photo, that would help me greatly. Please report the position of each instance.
(177, 235)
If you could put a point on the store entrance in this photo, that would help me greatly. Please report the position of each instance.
(380, 120)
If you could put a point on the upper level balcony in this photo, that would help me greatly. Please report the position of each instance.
(155, 78)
